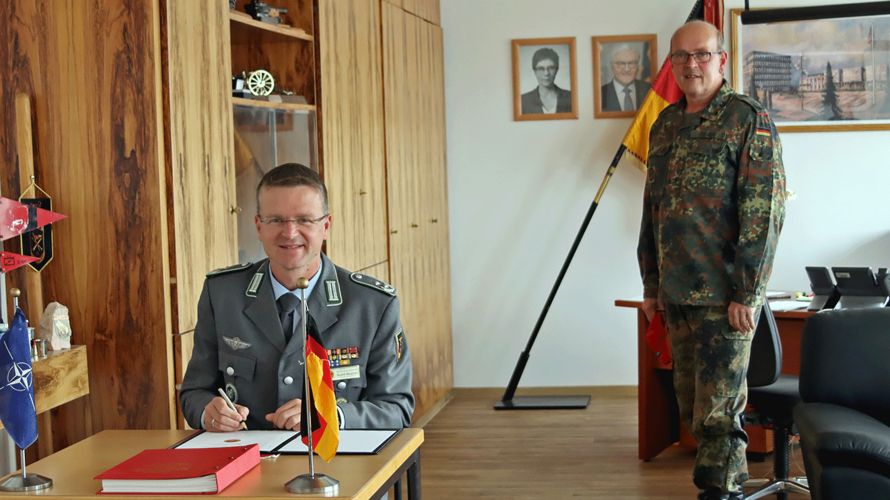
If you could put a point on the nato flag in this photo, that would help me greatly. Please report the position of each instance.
(17, 410)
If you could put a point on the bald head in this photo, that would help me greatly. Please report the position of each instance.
(699, 27)
(697, 63)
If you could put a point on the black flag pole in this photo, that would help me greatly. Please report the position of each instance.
(511, 402)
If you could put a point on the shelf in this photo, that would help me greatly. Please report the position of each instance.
(285, 106)
(60, 377)
(247, 30)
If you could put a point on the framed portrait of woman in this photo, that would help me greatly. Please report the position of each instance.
(544, 79)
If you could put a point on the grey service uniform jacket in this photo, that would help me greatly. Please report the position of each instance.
(240, 346)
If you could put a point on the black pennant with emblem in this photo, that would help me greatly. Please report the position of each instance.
(38, 242)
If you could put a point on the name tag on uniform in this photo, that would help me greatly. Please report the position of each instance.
(346, 372)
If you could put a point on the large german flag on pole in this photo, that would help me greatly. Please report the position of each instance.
(325, 428)
(664, 90)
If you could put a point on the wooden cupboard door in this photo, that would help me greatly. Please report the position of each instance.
(352, 128)
(425, 9)
(201, 179)
(417, 202)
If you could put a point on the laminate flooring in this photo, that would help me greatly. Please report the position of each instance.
(471, 450)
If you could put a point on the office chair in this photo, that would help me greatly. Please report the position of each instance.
(844, 419)
(774, 396)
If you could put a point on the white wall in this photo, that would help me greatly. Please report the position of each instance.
(518, 192)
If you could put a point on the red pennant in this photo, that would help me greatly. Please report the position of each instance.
(10, 261)
(17, 218)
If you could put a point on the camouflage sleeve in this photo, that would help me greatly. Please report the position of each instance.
(761, 208)
(646, 251)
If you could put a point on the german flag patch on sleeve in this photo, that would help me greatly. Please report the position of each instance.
(400, 343)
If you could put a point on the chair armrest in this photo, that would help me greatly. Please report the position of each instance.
(842, 436)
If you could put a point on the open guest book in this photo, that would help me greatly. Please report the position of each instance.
(172, 470)
(352, 441)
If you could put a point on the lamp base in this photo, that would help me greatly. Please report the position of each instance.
(29, 482)
(319, 484)
(544, 403)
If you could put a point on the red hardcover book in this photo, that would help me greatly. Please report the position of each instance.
(170, 470)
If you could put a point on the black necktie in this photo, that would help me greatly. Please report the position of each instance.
(287, 307)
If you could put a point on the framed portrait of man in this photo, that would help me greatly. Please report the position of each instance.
(623, 70)
(544, 79)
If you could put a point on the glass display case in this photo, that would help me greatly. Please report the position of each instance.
(267, 135)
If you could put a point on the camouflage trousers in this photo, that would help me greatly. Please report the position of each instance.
(710, 366)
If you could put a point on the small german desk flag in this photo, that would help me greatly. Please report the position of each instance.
(325, 428)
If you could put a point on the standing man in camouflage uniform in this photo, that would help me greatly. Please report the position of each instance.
(712, 212)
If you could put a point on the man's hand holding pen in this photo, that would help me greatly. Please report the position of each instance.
(218, 417)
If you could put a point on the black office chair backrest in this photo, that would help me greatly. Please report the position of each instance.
(845, 360)
(765, 364)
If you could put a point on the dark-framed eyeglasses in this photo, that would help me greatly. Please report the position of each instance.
(703, 56)
(303, 222)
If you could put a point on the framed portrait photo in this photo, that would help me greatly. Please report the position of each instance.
(815, 69)
(623, 69)
(544, 79)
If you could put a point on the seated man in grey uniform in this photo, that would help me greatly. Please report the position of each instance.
(242, 346)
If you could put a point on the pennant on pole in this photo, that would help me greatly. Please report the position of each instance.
(325, 427)
(18, 218)
(10, 261)
(17, 409)
(665, 91)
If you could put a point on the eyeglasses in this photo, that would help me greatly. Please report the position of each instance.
(625, 64)
(678, 58)
(303, 222)
(549, 69)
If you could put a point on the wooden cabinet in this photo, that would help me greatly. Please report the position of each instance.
(351, 85)
(417, 203)
(267, 131)
(201, 183)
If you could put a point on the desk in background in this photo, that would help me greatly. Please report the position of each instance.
(658, 425)
(361, 476)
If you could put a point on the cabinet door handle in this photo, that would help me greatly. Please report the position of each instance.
(414, 225)
(362, 192)
(394, 231)
(235, 209)
(434, 220)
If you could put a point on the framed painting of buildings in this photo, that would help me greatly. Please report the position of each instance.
(816, 68)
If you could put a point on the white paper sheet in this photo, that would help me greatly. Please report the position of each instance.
(354, 441)
(268, 440)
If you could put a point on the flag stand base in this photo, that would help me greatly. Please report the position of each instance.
(544, 403)
(318, 484)
(28, 482)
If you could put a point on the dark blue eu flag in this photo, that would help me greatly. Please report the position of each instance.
(17, 410)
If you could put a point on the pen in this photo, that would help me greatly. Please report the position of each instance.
(231, 405)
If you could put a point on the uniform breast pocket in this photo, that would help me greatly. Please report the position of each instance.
(657, 167)
(236, 367)
(706, 169)
(348, 391)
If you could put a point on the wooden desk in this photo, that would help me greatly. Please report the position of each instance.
(361, 476)
(658, 425)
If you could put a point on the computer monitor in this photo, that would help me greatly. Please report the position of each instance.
(859, 287)
(825, 294)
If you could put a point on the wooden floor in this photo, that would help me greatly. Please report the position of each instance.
(473, 451)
